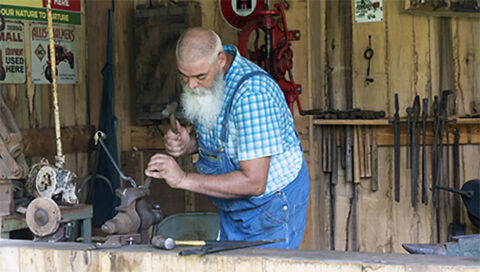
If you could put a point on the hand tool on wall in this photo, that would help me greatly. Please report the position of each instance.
(368, 55)
(436, 122)
(396, 131)
(439, 153)
(356, 184)
(342, 146)
(374, 181)
(324, 149)
(329, 149)
(368, 152)
(456, 228)
(446, 178)
(348, 154)
(409, 136)
(424, 151)
(414, 150)
(333, 183)
(361, 150)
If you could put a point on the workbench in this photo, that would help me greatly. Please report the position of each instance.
(80, 212)
(21, 255)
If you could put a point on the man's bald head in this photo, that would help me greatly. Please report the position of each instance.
(197, 43)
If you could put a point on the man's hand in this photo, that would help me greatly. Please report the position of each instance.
(177, 144)
(162, 166)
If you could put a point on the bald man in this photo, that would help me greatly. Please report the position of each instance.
(251, 162)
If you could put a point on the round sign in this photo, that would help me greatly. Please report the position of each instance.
(238, 13)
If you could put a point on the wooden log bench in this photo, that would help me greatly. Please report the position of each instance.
(22, 255)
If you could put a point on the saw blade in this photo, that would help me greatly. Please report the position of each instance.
(43, 216)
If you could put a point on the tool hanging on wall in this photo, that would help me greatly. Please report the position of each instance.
(415, 136)
(396, 129)
(368, 55)
(275, 55)
(424, 151)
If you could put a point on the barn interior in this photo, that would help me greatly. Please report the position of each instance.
(384, 95)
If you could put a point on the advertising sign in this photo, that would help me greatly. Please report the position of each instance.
(65, 54)
(238, 13)
(63, 11)
(12, 53)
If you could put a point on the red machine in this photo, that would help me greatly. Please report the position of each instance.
(275, 55)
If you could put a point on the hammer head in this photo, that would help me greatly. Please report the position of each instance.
(169, 112)
(161, 242)
(169, 109)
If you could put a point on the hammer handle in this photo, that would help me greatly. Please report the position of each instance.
(173, 123)
(190, 243)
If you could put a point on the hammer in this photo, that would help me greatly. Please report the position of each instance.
(208, 246)
(169, 112)
(168, 243)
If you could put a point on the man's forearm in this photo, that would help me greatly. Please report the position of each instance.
(230, 185)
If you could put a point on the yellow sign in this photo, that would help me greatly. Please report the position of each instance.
(24, 3)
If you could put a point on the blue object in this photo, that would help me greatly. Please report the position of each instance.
(280, 215)
(105, 201)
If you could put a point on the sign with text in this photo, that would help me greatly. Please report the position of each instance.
(63, 11)
(12, 53)
(65, 53)
(237, 13)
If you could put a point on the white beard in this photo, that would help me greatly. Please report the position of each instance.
(203, 105)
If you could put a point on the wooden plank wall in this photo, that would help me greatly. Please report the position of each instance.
(32, 105)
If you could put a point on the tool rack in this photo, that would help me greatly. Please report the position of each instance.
(469, 128)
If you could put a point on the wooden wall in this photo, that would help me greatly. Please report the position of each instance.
(32, 107)
(406, 61)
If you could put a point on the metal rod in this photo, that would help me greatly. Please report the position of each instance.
(60, 158)
(467, 194)
(100, 136)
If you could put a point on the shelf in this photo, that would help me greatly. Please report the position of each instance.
(388, 122)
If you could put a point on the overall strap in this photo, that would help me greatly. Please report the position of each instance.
(223, 132)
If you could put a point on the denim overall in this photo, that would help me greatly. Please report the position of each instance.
(281, 214)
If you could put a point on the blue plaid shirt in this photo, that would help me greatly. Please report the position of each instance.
(260, 124)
